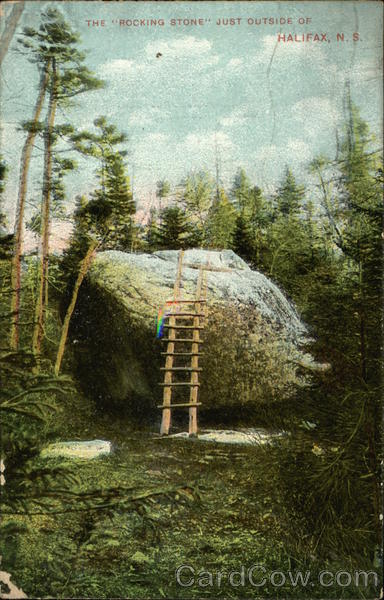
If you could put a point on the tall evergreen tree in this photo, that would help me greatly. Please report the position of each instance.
(151, 229)
(243, 238)
(259, 215)
(241, 190)
(119, 195)
(112, 206)
(221, 222)
(26, 155)
(81, 236)
(196, 192)
(290, 196)
(53, 48)
(173, 228)
(341, 297)
(162, 192)
(54, 44)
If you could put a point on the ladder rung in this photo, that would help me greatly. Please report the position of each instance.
(181, 369)
(167, 326)
(188, 404)
(184, 301)
(182, 340)
(185, 314)
(180, 383)
(182, 353)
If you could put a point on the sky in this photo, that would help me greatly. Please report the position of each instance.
(190, 94)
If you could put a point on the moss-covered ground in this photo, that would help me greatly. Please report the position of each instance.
(232, 523)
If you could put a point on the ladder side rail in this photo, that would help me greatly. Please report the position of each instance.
(167, 394)
(194, 392)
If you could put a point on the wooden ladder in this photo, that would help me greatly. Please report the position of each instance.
(184, 316)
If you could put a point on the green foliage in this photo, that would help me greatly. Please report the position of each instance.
(331, 263)
(196, 193)
(289, 196)
(173, 229)
(61, 166)
(163, 189)
(80, 239)
(150, 230)
(241, 190)
(111, 207)
(28, 406)
(237, 521)
(254, 217)
(243, 238)
(220, 223)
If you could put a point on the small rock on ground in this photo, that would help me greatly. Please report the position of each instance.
(84, 450)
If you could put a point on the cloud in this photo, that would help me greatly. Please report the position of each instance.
(274, 55)
(156, 138)
(235, 64)
(186, 47)
(318, 115)
(146, 116)
(295, 152)
(200, 150)
(189, 48)
(367, 70)
(117, 66)
(236, 118)
(205, 143)
(298, 150)
(166, 61)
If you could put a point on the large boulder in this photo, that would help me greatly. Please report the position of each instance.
(254, 336)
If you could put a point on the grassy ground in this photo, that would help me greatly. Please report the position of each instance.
(133, 555)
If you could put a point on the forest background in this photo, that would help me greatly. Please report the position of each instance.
(322, 244)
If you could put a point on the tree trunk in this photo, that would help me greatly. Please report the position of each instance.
(84, 266)
(10, 28)
(18, 242)
(45, 216)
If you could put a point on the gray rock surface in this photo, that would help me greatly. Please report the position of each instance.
(113, 330)
(155, 276)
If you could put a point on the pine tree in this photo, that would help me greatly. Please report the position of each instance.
(362, 216)
(68, 78)
(221, 222)
(289, 196)
(196, 194)
(151, 229)
(173, 229)
(80, 239)
(112, 207)
(53, 48)
(33, 128)
(119, 195)
(241, 190)
(162, 192)
(340, 296)
(243, 238)
(259, 215)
